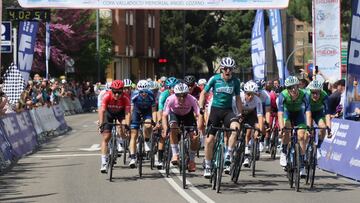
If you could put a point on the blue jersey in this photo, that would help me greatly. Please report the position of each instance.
(140, 102)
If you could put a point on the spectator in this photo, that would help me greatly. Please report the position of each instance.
(336, 99)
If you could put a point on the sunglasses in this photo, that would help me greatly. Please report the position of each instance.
(249, 93)
(227, 68)
(142, 92)
(294, 87)
(183, 95)
(117, 91)
(315, 92)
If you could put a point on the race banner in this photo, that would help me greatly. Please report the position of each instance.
(20, 132)
(5, 147)
(59, 114)
(341, 153)
(27, 39)
(327, 38)
(258, 46)
(276, 33)
(47, 48)
(158, 4)
(353, 68)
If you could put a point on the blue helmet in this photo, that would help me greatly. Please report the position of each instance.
(171, 82)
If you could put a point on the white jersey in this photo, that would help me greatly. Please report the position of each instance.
(248, 106)
(264, 97)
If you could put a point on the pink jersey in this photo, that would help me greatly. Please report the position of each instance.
(172, 105)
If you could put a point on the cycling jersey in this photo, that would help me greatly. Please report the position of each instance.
(286, 103)
(273, 103)
(173, 105)
(223, 91)
(264, 97)
(141, 102)
(254, 104)
(320, 107)
(114, 106)
(162, 98)
(100, 97)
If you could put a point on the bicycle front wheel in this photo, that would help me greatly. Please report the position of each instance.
(297, 167)
(183, 161)
(312, 165)
(140, 153)
(239, 159)
(254, 154)
(152, 152)
(220, 169)
(290, 165)
(112, 157)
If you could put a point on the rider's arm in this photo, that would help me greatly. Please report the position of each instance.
(239, 104)
(128, 110)
(327, 111)
(280, 105)
(204, 92)
(308, 110)
(165, 116)
(102, 108)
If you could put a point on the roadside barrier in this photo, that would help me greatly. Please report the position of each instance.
(22, 133)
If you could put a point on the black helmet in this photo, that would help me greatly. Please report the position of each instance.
(189, 79)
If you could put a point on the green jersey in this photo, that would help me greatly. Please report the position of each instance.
(162, 99)
(223, 91)
(321, 104)
(286, 103)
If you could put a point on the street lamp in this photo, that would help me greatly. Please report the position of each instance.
(293, 52)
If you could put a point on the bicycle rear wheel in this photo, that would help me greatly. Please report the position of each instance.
(152, 152)
(297, 167)
(273, 144)
(167, 157)
(126, 144)
(183, 161)
(140, 153)
(254, 154)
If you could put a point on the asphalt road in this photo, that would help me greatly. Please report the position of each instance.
(66, 169)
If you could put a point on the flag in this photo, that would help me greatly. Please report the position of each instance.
(14, 84)
(258, 46)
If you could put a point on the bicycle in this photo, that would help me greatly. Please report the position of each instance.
(274, 137)
(154, 148)
(217, 161)
(293, 158)
(113, 152)
(311, 157)
(239, 154)
(255, 153)
(167, 155)
(184, 148)
(141, 147)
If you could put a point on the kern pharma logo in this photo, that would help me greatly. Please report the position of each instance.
(327, 50)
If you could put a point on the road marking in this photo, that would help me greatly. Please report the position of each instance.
(94, 147)
(192, 187)
(180, 190)
(64, 155)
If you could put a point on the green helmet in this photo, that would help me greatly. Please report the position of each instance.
(291, 81)
(315, 85)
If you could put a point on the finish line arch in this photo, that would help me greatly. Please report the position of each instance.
(158, 4)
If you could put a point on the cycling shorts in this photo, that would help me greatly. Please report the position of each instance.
(296, 118)
(219, 114)
(317, 116)
(109, 118)
(187, 120)
(136, 116)
(251, 118)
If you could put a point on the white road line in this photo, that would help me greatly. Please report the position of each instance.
(63, 155)
(180, 190)
(94, 147)
(175, 171)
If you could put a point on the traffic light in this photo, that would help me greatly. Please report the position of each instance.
(162, 60)
(310, 37)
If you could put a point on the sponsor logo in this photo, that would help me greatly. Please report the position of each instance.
(327, 51)
(227, 90)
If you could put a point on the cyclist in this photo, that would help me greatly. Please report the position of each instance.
(102, 93)
(224, 86)
(115, 105)
(142, 105)
(202, 83)
(162, 83)
(252, 114)
(194, 90)
(127, 88)
(319, 110)
(273, 115)
(294, 110)
(169, 85)
(181, 107)
(265, 99)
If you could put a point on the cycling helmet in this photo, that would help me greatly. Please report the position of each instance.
(315, 85)
(143, 85)
(291, 81)
(117, 84)
(251, 86)
(261, 84)
(227, 62)
(189, 79)
(153, 85)
(171, 82)
(149, 79)
(202, 81)
(181, 88)
(163, 78)
(242, 84)
(127, 83)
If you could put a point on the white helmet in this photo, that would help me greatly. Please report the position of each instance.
(181, 88)
(163, 78)
(143, 85)
(127, 83)
(291, 81)
(251, 86)
(149, 79)
(227, 62)
(107, 85)
(202, 81)
(315, 85)
(154, 85)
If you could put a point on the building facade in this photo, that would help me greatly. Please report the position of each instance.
(136, 37)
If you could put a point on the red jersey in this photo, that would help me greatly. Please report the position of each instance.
(196, 92)
(126, 95)
(112, 105)
(273, 101)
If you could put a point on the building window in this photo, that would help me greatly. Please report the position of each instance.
(299, 42)
(127, 18)
(149, 21)
(131, 18)
(299, 28)
(153, 21)
(149, 52)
